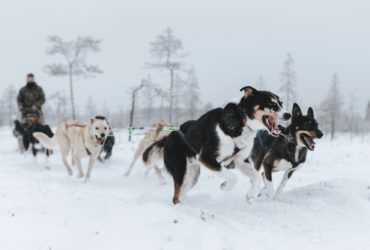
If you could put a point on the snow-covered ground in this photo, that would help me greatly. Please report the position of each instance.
(326, 205)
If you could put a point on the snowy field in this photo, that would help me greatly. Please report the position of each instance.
(326, 205)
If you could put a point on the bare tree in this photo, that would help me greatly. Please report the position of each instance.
(148, 95)
(9, 103)
(167, 49)
(134, 92)
(289, 79)
(332, 106)
(75, 55)
(105, 110)
(192, 93)
(368, 112)
(352, 115)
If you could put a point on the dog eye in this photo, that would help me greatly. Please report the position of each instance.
(275, 107)
(105, 128)
(97, 128)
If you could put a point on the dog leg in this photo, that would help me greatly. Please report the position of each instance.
(247, 168)
(65, 148)
(175, 163)
(191, 176)
(159, 174)
(47, 154)
(68, 168)
(77, 161)
(90, 167)
(227, 175)
(100, 159)
(268, 190)
(283, 182)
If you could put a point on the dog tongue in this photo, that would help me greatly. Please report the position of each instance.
(274, 127)
(311, 143)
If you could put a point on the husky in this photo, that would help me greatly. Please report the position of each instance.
(81, 139)
(107, 149)
(23, 132)
(18, 132)
(154, 134)
(286, 152)
(218, 137)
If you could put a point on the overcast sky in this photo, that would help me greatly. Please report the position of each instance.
(230, 43)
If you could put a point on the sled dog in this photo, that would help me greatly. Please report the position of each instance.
(155, 133)
(217, 138)
(286, 152)
(81, 139)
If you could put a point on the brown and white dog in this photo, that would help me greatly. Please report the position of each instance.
(155, 133)
(81, 139)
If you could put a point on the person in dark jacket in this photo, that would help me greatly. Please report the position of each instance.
(31, 98)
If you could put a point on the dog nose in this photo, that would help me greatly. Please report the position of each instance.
(286, 116)
(102, 135)
(319, 134)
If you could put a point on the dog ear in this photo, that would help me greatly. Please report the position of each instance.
(248, 91)
(310, 112)
(296, 112)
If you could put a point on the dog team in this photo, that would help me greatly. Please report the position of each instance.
(248, 136)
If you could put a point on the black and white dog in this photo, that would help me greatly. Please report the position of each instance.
(18, 132)
(107, 150)
(286, 152)
(218, 137)
(24, 133)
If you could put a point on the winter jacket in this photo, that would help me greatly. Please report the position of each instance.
(29, 96)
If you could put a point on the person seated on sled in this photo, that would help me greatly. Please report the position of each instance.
(31, 98)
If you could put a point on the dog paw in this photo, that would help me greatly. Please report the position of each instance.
(176, 201)
(250, 199)
(126, 174)
(70, 173)
(264, 192)
(252, 195)
(80, 175)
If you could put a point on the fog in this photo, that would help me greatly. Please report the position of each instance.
(230, 43)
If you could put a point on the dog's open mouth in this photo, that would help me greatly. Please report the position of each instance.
(308, 141)
(271, 125)
(100, 139)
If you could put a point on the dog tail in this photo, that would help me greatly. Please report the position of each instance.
(153, 153)
(45, 140)
(175, 139)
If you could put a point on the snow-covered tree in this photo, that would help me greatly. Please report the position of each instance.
(353, 117)
(331, 106)
(9, 104)
(289, 79)
(368, 112)
(192, 93)
(74, 53)
(90, 108)
(168, 50)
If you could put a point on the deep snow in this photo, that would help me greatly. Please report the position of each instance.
(326, 205)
